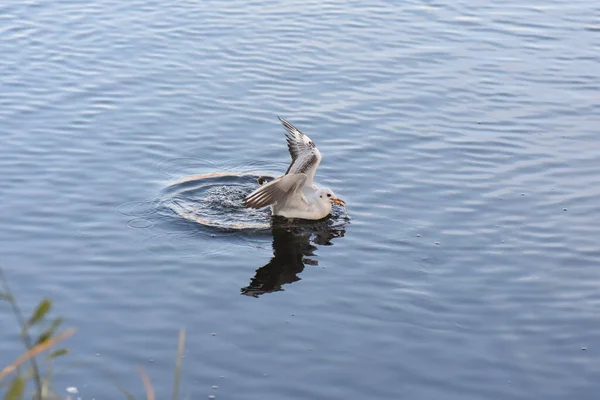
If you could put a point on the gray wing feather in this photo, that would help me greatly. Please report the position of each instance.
(276, 191)
(297, 141)
(305, 155)
(303, 164)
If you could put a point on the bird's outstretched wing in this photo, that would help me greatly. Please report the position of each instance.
(279, 191)
(306, 157)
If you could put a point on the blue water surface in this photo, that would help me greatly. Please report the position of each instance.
(463, 136)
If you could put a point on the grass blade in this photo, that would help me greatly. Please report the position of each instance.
(58, 353)
(178, 364)
(48, 333)
(15, 392)
(147, 384)
(40, 312)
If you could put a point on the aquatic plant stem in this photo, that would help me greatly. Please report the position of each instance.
(178, 364)
(24, 336)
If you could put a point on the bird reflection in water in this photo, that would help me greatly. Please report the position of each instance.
(293, 248)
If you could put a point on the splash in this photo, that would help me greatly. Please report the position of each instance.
(215, 200)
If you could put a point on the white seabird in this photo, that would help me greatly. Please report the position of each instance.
(294, 195)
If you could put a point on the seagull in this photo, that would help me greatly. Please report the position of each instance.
(294, 195)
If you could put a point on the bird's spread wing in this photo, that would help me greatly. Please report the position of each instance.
(276, 191)
(306, 157)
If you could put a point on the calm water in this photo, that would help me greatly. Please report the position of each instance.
(463, 136)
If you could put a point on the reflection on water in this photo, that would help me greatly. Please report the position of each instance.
(293, 248)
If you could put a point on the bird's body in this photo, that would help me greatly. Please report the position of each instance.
(305, 205)
(295, 195)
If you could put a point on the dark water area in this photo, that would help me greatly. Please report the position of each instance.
(463, 136)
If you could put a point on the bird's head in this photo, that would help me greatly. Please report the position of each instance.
(328, 195)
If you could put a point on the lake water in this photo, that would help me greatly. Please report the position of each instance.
(463, 136)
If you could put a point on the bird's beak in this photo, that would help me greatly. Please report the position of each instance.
(339, 202)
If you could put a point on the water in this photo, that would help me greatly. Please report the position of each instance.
(462, 135)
